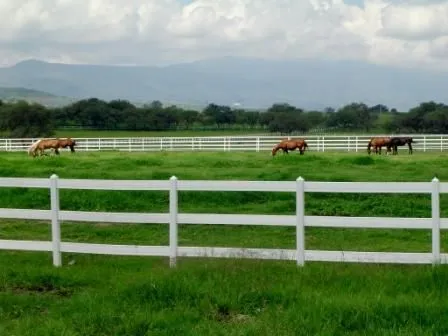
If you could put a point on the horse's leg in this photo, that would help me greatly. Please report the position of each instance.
(56, 151)
(410, 148)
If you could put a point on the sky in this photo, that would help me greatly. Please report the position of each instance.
(401, 33)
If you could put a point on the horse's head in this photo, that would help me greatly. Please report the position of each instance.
(274, 150)
(68, 142)
(71, 144)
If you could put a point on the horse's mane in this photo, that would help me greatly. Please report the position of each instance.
(33, 146)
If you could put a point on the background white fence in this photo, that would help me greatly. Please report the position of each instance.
(353, 143)
(174, 218)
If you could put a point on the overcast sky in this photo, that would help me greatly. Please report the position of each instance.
(410, 33)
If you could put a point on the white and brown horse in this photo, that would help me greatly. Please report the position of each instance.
(41, 145)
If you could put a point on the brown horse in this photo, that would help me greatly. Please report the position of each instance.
(290, 145)
(378, 143)
(401, 141)
(42, 144)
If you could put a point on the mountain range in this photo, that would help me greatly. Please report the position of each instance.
(250, 83)
(12, 94)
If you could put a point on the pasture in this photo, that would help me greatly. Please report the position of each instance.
(108, 295)
(83, 133)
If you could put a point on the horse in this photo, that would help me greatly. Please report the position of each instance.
(289, 145)
(378, 143)
(401, 141)
(40, 145)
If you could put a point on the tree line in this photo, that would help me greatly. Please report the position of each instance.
(22, 119)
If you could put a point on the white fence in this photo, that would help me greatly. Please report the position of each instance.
(174, 219)
(230, 143)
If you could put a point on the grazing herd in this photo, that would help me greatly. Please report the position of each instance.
(286, 145)
(375, 143)
(389, 143)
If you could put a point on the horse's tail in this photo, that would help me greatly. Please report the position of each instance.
(305, 144)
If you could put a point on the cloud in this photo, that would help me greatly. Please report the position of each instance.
(168, 31)
(415, 21)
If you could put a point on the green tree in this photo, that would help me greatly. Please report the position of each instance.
(23, 120)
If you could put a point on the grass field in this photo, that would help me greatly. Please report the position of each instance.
(132, 134)
(107, 295)
(190, 133)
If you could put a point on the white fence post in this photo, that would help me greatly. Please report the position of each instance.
(173, 221)
(435, 214)
(300, 221)
(55, 225)
(258, 144)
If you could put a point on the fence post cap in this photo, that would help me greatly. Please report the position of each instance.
(300, 178)
(172, 178)
(435, 179)
(54, 176)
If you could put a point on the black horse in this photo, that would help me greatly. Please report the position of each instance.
(400, 141)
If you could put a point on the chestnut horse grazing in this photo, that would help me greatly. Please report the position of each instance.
(42, 144)
(401, 141)
(377, 143)
(290, 145)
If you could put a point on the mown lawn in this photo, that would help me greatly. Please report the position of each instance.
(134, 134)
(111, 295)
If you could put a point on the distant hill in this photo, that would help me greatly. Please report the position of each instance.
(11, 94)
(253, 83)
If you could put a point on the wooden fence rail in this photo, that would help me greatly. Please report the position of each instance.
(173, 218)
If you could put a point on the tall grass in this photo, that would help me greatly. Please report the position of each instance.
(107, 295)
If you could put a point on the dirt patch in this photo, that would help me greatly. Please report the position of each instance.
(41, 289)
(225, 315)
